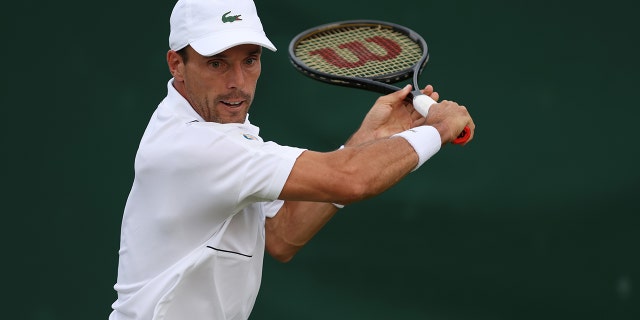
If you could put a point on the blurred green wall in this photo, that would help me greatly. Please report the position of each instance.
(536, 219)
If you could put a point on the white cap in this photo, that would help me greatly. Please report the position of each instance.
(213, 26)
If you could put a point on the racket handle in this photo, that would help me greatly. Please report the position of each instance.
(422, 103)
(463, 136)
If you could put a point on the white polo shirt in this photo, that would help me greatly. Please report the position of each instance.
(192, 239)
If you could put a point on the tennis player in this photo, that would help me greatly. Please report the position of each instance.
(209, 195)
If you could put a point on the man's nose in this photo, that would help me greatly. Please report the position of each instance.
(235, 77)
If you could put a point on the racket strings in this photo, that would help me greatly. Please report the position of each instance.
(359, 51)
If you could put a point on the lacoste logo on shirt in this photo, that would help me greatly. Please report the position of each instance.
(226, 18)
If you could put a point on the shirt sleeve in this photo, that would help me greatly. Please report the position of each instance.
(268, 171)
(271, 208)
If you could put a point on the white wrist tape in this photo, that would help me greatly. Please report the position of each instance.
(425, 140)
(337, 205)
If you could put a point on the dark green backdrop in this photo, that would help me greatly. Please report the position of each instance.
(536, 219)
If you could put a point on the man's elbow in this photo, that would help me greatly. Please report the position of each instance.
(283, 258)
(282, 253)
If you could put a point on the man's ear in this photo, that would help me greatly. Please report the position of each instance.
(176, 65)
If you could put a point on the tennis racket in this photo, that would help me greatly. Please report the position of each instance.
(365, 54)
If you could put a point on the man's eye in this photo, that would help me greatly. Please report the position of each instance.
(215, 64)
(251, 60)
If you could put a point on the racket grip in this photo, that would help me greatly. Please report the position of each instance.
(422, 103)
(463, 136)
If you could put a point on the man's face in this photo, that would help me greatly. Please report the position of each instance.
(221, 87)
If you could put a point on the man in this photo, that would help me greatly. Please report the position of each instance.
(209, 195)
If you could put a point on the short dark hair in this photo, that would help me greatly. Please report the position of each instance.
(183, 54)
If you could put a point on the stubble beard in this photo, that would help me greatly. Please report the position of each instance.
(208, 110)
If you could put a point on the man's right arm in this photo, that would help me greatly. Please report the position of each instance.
(373, 164)
(349, 174)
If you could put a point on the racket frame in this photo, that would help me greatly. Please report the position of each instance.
(380, 84)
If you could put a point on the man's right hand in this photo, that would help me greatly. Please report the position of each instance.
(450, 119)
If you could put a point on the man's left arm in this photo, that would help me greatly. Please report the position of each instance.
(294, 225)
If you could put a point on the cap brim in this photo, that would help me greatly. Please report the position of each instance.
(216, 43)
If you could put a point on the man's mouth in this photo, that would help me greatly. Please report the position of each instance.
(234, 100)
(232, 104)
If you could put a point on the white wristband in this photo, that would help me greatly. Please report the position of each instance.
(425, 140)
(337, 205)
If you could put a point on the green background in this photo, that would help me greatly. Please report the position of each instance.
(536, 219)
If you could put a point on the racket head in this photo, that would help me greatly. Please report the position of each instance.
(366, 54)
